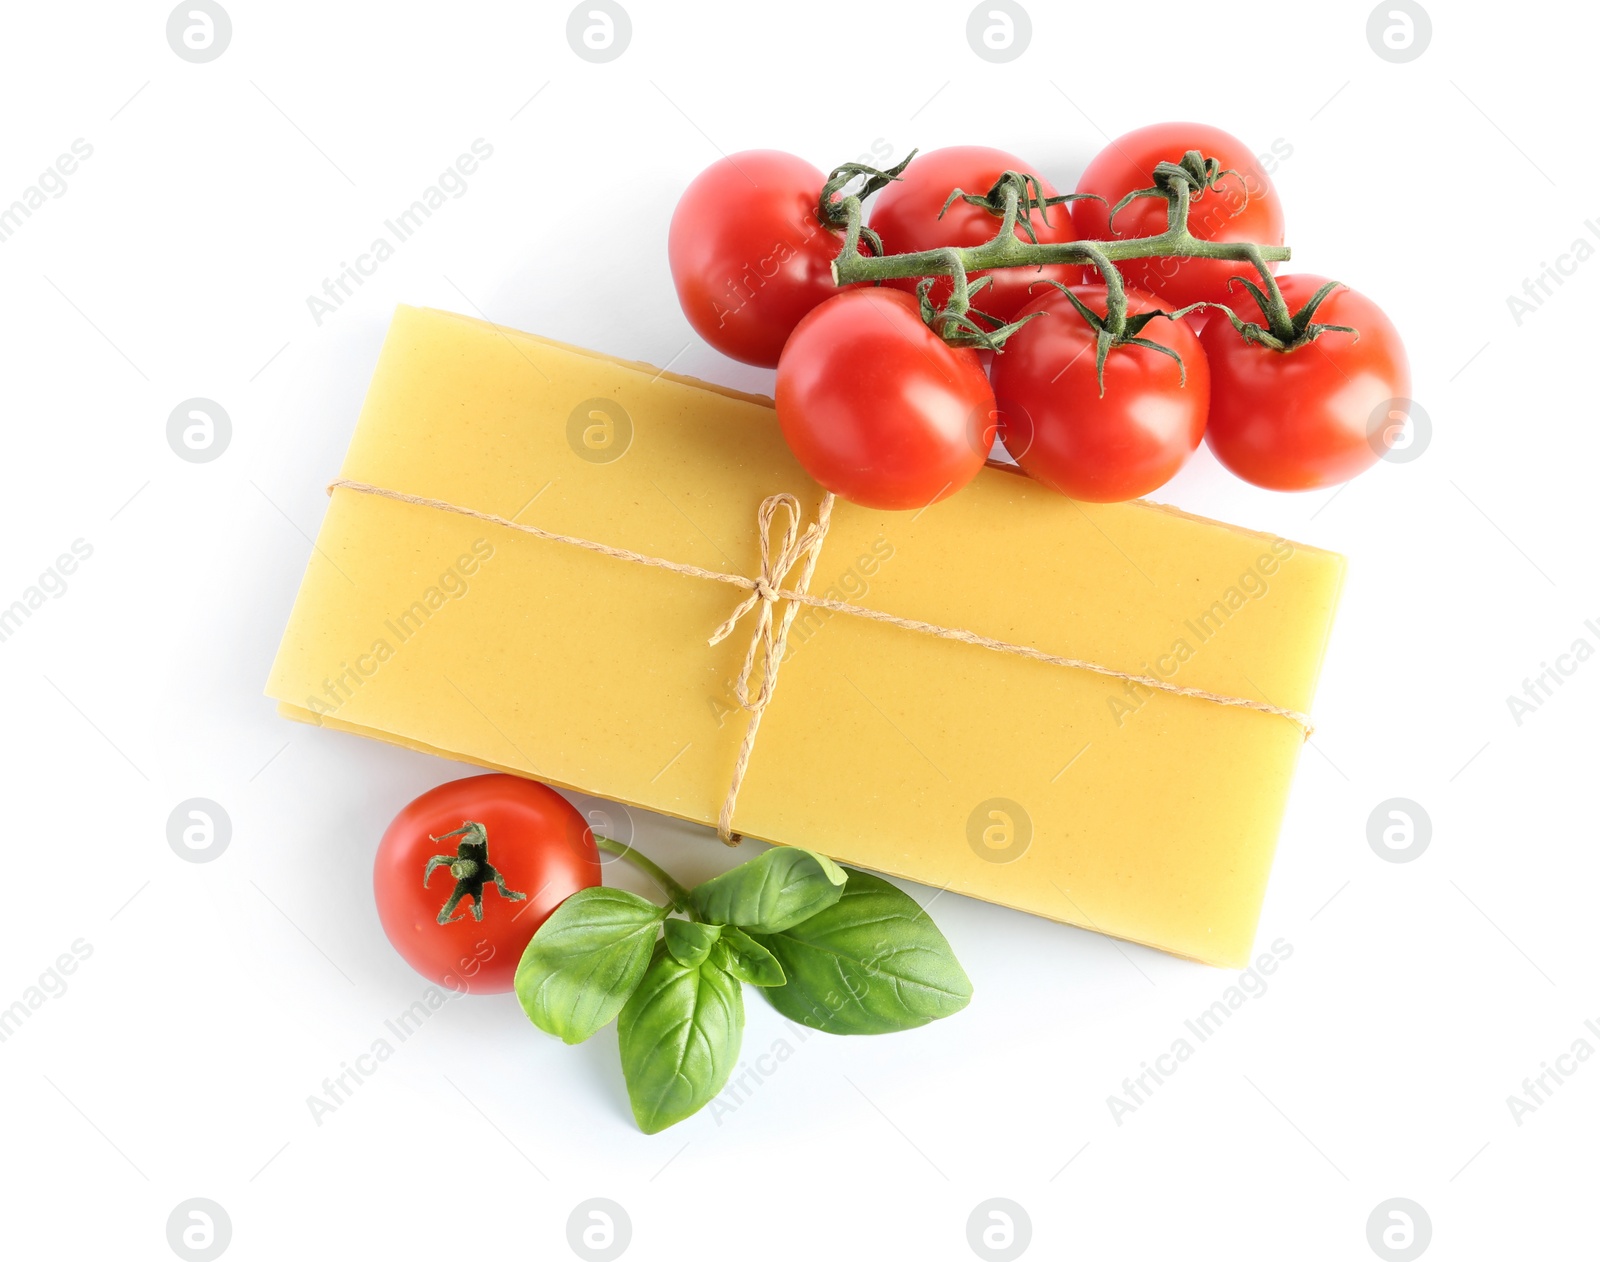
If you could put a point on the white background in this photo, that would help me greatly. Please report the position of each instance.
(220, 995)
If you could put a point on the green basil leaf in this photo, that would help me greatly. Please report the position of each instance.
(679, 1036)
(772, 891)
(689, 942)
(738, 953)
(585, 961)
(872, 963)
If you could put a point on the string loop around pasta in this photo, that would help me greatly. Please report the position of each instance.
(793, 546)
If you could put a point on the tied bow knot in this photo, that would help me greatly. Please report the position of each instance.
(777, 558)
(792, 546)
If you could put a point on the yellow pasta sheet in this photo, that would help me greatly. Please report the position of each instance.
(1056, 791)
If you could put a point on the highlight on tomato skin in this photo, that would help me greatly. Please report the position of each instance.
(749, 256)
(1240, 207)
(906, 216)
(878, 408)
(533, 839)
(1314, 416)
(1119, 444)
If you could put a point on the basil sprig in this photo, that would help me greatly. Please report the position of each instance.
(832, 948)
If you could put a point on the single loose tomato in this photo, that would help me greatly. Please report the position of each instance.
(906, 216)
(1309, 417)
(1240, 207)
(467, 873)
(878, 408)
(749, 255)
(1060, 427)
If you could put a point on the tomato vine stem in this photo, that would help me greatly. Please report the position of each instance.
(1176, 182)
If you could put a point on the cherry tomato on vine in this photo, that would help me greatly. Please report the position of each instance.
(508, 852)
(1239, 207)
(1313, 416)
(1062, 430)
(878, 408)
(749, 256)
(906, 216)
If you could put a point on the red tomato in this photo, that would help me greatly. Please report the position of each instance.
(906, 216)
(749, 256)
(1243, 207)
(1061, 430)
(532, 837)
(1310, 417)
(878, 408)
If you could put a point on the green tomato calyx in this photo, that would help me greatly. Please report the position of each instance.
(471, 869)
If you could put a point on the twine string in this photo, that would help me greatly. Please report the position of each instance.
(771, 634)
(769, 638)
